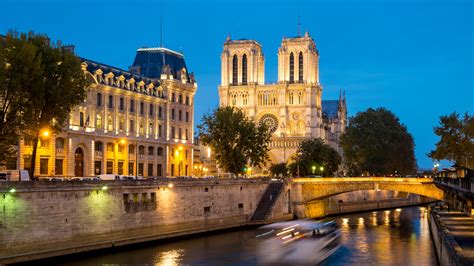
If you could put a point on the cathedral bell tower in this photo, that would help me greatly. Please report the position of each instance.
(242, 63)
(298, 60)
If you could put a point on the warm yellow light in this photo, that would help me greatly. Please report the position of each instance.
(195, 167)
(170, 185)
(180, 148)
(176, 153)
(321, 168)
(122, 141)
(209, 152)
(45, 133)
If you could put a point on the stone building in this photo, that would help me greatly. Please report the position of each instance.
(292, 107)
(136, 122)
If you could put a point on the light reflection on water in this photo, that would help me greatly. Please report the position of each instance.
(395, 237)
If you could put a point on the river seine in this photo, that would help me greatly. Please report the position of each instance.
(390, 237)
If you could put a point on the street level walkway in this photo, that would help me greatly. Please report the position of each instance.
(461, 227)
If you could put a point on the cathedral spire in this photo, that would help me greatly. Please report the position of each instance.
(299, 27)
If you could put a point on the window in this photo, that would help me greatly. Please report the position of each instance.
(99, 99)
(172, 114)
(59, 143)
(187, 100)
(126, 198)
(120, 149)
(144, 198)
(98, 167)
(160, 131)
(81, 119)
(180, 99)
(179, 115)
(187, 116)
(142, 108)
(151, 150)
(150, 110)
(150, 169)
(131, 149)
(141, 150)
(244, 69)
(43, 166)
(121, 124)
(173, 97)
(160, 111)
(140, 169)
(159, 170)
(44, 143)
(120, 168)
(300, 67)
(121, 104)
(159, 151)
(132, 126)
(207, 210)
(111, 101)
(179, 133)
(173, 135)
(234, 70)
(27, 162)
(98, 121)
(187, 134)
(110, 147)
(110, 167)
(150, 129)
(28, 142)
(99, 146)
(292, 68)
(130, 168)
(172, 169)
(110, 125)
(132, 106)
(152, 197)
(58, 170)
(141, 128)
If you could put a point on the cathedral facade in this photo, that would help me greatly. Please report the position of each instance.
(292, 107)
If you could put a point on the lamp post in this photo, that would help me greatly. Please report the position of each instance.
(313, 168)
(298, 163)
(322, 170)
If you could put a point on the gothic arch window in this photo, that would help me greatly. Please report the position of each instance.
(292, 68)
(244, 69)
(245, 99)
(234, 70)
(234, 99)
(300, 67)
(291, 98)
(300, 97)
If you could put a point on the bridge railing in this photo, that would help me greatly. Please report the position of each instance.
(363, 179)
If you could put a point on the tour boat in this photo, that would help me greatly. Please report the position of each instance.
(297, 242)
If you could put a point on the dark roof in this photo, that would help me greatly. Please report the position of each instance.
(330, 108)
(150, 62)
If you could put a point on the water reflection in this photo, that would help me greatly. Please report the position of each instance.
(391, 237)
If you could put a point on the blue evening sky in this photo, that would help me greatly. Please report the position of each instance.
(414, 57)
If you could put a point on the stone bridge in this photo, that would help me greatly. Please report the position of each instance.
(308, 194)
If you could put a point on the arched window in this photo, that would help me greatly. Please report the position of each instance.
(292, 68)
(300, 68)
(131, 149)
(99, 146)
(59, 143)
(234, 70)
(159, 151)
(141, 150)
(151, 150)
(244, 69)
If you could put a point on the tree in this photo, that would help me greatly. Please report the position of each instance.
(456, 139)
(51, 81)
(279, 169)
(313, 154)
(236, 140)
(377, 143)
(18, 65)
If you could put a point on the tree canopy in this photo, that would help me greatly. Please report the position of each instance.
(235, 139)
(279, 169)
(315, 157)
(456, 139)
(40, 82)
(375, 142)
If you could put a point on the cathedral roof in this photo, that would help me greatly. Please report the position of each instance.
(152, 62)
(330, 108)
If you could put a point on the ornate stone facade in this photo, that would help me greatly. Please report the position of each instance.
(137, 122)
(293, 107)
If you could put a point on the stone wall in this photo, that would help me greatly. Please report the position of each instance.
(44, 219)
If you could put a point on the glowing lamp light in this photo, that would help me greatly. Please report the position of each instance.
(45, 133)
(321, 168)
(180, 148)
(12, 190)
(122, 141)
(104, 188)
(170, 185)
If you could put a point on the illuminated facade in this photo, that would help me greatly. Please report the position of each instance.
(293, 107)
(136, 122)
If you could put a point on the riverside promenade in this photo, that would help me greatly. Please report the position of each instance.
(453, 235)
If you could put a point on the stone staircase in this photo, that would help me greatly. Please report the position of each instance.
(265, 206)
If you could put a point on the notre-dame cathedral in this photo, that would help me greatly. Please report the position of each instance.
(292, 107)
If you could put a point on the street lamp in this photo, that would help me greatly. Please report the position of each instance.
(45, 133)
(313, 168)
(321, 169)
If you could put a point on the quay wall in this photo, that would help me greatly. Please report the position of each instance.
(45, 219)
(445, 245)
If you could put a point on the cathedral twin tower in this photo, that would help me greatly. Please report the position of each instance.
(292, 108)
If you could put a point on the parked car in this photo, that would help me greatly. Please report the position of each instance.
(54, 179)
(108, 177)
(15, 175)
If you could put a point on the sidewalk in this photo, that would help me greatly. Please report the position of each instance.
(461, 228)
